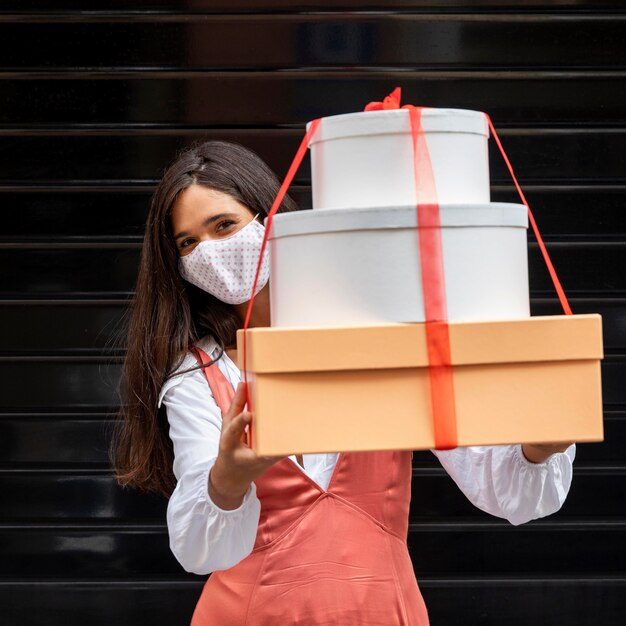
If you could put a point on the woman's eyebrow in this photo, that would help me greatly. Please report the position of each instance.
(208, 221)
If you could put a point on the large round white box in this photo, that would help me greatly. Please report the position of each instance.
(362, 266)
(366, 159)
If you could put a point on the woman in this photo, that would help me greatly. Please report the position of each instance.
(314, 539)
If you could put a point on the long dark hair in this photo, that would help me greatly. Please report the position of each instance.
(169, 314)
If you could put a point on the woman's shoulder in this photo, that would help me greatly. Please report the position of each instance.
(180, 374)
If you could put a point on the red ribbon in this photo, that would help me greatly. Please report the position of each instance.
(433, 283)
(293, 168)
(542, 246)
(392, 101)
(440, 372)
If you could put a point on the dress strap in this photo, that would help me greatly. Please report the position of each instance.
(221, 389)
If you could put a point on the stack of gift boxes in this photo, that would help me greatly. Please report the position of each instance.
(347, 363)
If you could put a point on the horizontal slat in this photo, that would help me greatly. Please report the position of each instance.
(295, 97)
(20, 6)
(580, 267)
(99, 603)
(44, 553)
(33, 553)
(74, 441)
(572, 213)
(593, 213)
(537, 155)
(422, 41)
(80, 385)
(92, 384)
(56, 216)
(61, 441)
(95, 215)
(591, 497)
(604, 455)
(82, 441)
(85, 328)
(71, 441)
(535, 551)
(98, 271)
(524, 602)
(111, 156)
(62, 329)
(87, 497)
(488, 602)
(93, 498)
(74, 271)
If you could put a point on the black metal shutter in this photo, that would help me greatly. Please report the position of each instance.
(94, 101)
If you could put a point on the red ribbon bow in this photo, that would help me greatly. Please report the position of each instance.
(392, 101)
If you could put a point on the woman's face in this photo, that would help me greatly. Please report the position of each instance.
(201, 214)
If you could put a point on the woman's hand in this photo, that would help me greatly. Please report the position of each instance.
(237, 465)
(539, 452)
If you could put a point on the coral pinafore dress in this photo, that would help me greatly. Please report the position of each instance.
(336, 556)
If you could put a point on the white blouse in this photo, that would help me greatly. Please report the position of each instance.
(205, 538)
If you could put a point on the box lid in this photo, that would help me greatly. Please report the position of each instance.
(495, 214)
(386, 346)
(394, 121)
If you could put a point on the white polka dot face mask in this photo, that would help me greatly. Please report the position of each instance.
(226, 267)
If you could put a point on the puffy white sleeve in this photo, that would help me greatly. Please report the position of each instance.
(502, 482)
(203, 537)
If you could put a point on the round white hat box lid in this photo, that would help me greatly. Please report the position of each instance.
(366, 159)
(360, 267)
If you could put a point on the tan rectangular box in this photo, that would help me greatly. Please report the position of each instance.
(367, 388)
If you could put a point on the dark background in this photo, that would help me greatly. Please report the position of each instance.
(94, 103)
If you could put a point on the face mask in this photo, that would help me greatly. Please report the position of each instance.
(226, 267)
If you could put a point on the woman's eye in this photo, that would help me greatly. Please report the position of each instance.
(185, 243)
(225, 225)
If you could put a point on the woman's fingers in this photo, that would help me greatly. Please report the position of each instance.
(234, 423)
(232, 433)
(237, 405)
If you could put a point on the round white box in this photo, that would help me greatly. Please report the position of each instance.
(362, 266)
(366, 159)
